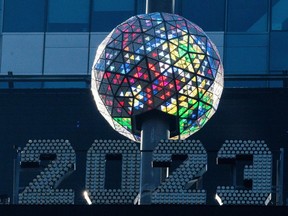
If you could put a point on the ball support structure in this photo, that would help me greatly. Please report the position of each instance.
(156, 76)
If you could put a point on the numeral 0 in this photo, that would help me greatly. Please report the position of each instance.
(95, 172)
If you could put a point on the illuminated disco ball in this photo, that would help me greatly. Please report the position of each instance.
(157, 61)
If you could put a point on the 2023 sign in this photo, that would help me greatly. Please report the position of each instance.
(175, 189)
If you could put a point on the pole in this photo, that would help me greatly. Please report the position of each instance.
(153, 129)
(167, 6)
(279, 180)
(16, 176)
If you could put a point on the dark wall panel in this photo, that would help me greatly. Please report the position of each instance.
(247, 114)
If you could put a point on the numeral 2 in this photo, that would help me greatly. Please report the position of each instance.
(176, 189)
(61, 160)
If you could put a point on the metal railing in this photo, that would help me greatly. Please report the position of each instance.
(10, 81)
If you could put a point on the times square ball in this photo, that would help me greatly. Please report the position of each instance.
(157, 61)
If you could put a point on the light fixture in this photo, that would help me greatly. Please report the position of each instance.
(87, 198)
(218, 200)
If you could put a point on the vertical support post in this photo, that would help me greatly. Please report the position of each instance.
(167, 6)
(279, 178)
(16, 176)
(153, 129)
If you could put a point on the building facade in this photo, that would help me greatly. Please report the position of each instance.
(52, 43)
(57, 39)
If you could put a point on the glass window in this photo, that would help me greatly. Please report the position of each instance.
(24, 16)
(27, 85)
(280, 15)
(247, 16)
(246, 53)
(107, 14)
(246, 84)
(68, 16)
(65, 84)
(208, 14)
(278, 51)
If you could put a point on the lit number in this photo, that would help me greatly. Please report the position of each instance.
(98, 171)
(58, 158)
(177, 187)
(256, 189)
